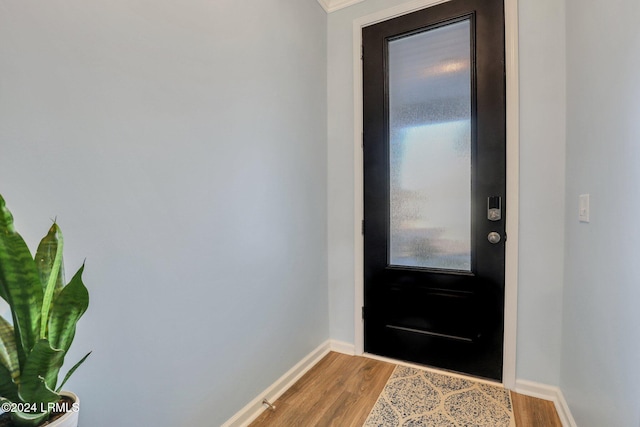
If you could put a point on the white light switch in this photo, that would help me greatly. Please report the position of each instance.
(583, 212)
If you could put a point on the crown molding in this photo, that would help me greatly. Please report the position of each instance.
(333, 5)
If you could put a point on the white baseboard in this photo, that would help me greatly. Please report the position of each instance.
(342, 347)
(254, 408)
(547, 392)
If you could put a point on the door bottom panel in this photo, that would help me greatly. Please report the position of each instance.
(462, 355)
(453, 330)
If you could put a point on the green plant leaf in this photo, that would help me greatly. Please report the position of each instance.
(71, 371)
(24, 419)
(40, 373)
(37, 413)
(20, 284)
(67, 310)
(45, 258)
(55, 236)
(8, 352)
(8, 389)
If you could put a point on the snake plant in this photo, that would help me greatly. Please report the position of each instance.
(44, 313)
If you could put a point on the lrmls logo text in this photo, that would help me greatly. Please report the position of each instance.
(59, 407)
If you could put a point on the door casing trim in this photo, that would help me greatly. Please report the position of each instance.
(512, 203)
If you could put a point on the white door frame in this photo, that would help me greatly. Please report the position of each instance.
(512, 203)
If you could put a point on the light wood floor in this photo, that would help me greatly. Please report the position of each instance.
(532, 412)
(341, 390)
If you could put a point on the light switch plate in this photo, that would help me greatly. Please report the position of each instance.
(583, 210)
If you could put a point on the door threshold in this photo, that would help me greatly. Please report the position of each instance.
(434, 370)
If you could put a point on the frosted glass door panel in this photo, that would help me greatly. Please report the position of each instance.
(430, 148)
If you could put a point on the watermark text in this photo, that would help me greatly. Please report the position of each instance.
(38, 408)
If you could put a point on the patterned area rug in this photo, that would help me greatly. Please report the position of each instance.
(417, 398)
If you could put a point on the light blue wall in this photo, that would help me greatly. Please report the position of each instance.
(542, 168)
(182, 147)
(542, 171)
(600, 376)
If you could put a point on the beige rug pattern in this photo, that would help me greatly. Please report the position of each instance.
(418, 398)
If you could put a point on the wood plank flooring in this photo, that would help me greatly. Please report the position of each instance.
(532, 412)
(341, 390)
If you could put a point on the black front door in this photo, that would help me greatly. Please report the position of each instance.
(434, 187)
